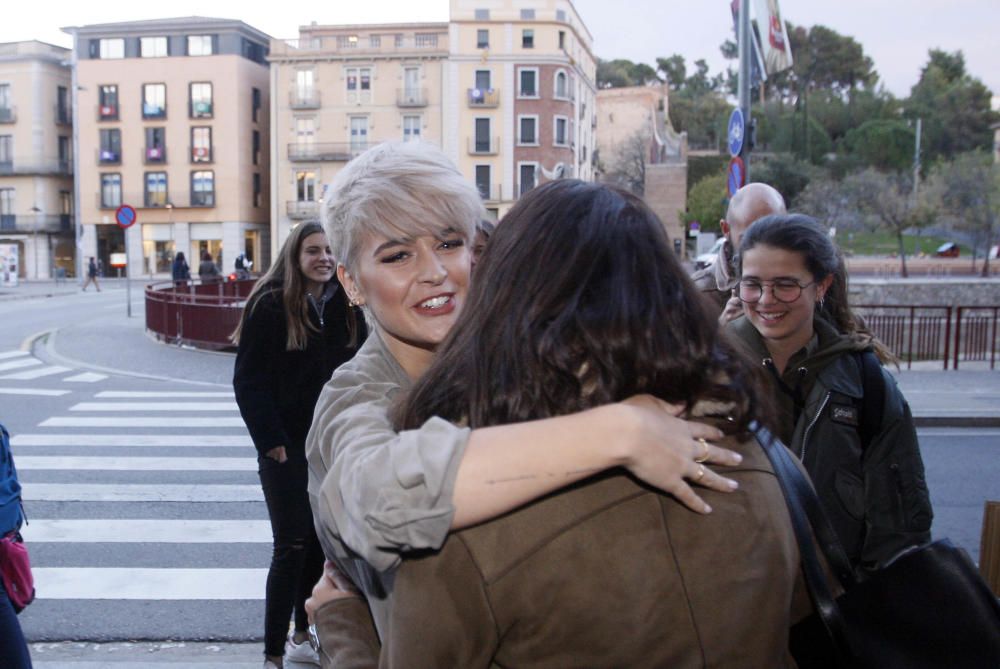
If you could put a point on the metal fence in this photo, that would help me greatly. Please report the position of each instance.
(195, 313)
(924, 333)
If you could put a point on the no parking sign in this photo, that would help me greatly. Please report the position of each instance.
(125, 215)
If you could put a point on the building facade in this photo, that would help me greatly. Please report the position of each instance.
(507, 91)
(173, 119)
(337, 90)
(521, 108)
(36, 160)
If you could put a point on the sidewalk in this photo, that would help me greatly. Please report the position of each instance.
(967, 397)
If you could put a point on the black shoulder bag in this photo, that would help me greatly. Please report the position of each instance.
(928, 608)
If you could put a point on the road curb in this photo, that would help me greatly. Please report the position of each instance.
(46, 340)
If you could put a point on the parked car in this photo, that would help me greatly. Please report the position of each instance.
(708, 257)
(947, 250)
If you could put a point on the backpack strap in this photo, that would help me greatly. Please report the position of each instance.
(872, 401)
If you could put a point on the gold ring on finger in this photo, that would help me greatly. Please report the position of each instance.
(701, 473)
(704, 456)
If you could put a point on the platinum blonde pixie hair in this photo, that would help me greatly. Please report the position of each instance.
(399, 190)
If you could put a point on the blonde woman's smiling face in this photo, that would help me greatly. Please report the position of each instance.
(414, 289)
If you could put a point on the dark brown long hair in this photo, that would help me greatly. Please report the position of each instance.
(285, 277)
(578, 301)
(798, 233)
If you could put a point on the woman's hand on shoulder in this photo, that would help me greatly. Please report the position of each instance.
(671, 453)
(330, 586)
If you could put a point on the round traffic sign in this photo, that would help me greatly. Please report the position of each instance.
(737, 128)
(737, 175)
(125, 215)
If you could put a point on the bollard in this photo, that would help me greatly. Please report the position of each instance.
(989, 547)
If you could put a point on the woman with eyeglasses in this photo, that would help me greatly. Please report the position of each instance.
(839, 410)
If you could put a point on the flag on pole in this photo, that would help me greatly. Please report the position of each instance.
(773, 36)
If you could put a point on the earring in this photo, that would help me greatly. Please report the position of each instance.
(821, 302)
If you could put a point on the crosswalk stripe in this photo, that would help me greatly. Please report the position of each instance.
(139, 464)
(34, 391)
(115, 530)
(19, 364)
(136, 492)
(146, 583)
(86, 377)
(155, 406)
(36, 373)
(137, 440)
(176, 422)
(6, 355)
(146, 394)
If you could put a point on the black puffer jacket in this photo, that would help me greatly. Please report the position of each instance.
(276, 389)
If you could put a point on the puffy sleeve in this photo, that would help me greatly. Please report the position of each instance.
(379, 492)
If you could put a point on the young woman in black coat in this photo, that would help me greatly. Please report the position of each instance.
(297, 328)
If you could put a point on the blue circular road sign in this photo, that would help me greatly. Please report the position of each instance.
(125, 215)
(737, 130)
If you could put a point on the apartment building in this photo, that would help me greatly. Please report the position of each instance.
(521, 108)
(36, 163)
(505, 88)
(173, 119)
(336, 90)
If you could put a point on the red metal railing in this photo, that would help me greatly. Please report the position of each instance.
(917, 332)
(195, 313)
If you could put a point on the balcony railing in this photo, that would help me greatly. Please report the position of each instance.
(107, 112)
(154, 155)
(484, 147)
(37, 167)
(156, 200)
(331, 151)
(304, 98)
(200, 154)
(411, 97)
(337, 44)
(32, 223)
(64, 115)
(109, 157)
(490, 192)
(298, 210)
(484, 98)
(8, 114)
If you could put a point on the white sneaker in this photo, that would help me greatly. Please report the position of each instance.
(300, 652)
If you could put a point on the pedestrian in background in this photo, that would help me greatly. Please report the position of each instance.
(91, 275)
(208, 271)
(180, 270)
(296, 329)
(718, 280)
(839, 410)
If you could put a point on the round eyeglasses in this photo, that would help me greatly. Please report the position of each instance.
(783, 290)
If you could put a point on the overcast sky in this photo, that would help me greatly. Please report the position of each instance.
(896, 34)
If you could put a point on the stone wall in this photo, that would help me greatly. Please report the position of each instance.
(666, 195)
(925, 292)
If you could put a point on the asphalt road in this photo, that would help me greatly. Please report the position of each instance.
(99, 451)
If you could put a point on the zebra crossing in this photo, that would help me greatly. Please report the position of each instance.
(146, 516)
(18, 365)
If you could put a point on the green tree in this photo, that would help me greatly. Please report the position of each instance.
(673, 69)
(786, 173)
(968, 189)
(706, 202)
(954, 106)
(882, 143)
(621, 72)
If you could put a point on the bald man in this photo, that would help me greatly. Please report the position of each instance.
(718, 280)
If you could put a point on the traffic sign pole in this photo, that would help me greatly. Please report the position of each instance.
(126, 217)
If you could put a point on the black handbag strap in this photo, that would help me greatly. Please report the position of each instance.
(808, 518)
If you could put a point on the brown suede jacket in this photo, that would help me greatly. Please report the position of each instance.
(607, 573)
